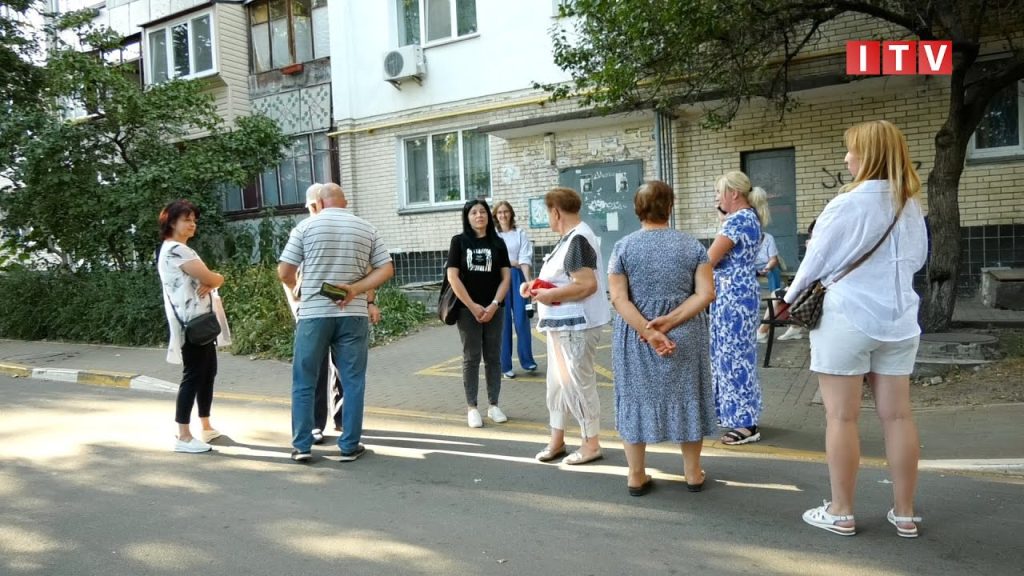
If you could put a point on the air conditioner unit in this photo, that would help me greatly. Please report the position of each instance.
(404, 62)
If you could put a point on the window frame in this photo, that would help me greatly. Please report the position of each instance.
(1012, 151)
(432, 203)
(257, 179)
(166, 28)
(421, 6)
(292, 45)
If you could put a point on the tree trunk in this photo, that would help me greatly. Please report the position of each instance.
(944, 226)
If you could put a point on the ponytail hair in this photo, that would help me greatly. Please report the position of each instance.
(758, 199)
(754, 195)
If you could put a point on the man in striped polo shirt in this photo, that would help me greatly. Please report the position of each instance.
(336, 247)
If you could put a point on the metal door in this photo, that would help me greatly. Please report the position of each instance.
(607, 191)
(775, 171)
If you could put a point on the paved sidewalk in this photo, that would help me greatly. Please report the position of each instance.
(420, 376)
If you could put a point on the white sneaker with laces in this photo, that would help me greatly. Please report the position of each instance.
(193, 446)
(496, 415)
(474, 419)
(793, 333)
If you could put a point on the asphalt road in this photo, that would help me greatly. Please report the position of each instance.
(88, 485)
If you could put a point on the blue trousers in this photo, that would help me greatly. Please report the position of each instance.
(515, 314)
(347, 337)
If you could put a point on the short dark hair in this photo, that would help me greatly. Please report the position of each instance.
(653, 202)
(565, 199)
(170, 214)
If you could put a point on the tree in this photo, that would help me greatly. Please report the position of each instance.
(19, 77)
(89, 189)
(626, 54)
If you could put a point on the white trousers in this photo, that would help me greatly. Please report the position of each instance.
(572, 381)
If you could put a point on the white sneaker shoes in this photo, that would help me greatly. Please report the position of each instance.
(496, 415)
(793, 333)
(193, 446)
(474, 419)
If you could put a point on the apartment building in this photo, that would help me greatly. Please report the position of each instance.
(434, 105)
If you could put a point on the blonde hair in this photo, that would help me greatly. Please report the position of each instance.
(881, 148)
(754, 195)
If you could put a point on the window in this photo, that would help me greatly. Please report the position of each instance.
(1000, 129)
(287, 32)
(446, 167)
(183, 49)
(307, 160)
(444, 19)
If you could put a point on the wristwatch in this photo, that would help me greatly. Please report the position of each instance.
(369, 302)
(495, 302)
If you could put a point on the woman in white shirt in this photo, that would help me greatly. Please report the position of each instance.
(572, 308)
(187, 287)
(520, 253)
(869, 323)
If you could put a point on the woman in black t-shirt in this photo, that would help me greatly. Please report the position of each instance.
(479, 271)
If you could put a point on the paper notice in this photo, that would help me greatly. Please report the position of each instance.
(613, 222)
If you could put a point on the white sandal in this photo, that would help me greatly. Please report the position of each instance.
(897, 520)
(820, 517)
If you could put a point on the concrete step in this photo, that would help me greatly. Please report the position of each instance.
(959, 345)
(930, 366)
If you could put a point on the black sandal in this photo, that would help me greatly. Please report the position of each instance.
(737, 436)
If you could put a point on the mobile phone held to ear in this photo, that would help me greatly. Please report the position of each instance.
(333, 292)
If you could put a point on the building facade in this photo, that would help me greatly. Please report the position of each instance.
(459, 118)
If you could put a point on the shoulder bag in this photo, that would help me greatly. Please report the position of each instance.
(806, 309)
(202, 329)
(447, 302)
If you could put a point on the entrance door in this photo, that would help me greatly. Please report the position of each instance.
(607, 191)
(775, 171)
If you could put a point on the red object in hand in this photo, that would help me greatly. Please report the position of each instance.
(538, 284)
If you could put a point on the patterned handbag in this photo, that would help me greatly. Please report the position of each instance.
(806, 309)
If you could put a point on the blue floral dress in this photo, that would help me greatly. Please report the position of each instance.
(669, 398)
(734, 319)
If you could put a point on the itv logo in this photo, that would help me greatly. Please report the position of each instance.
(873, 58)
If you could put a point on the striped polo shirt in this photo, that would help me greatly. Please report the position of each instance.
(334, 246)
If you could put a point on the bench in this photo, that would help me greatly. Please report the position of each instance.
(1003, 288)
(772, 322)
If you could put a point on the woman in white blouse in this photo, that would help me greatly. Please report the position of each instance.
(869, 323)
(520, 253)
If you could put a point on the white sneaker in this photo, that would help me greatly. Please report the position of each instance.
(793, 333)
(209, 435)
(474, 419)
(318, 436)
(496, 415)
(193, 446)
(762, 337)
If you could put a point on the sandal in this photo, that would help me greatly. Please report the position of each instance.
(642, 489)
(820, 517)
(897, 520)
(577, 458)
(737, 436)
(549, 455)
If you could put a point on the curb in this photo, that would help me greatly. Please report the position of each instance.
(91, 377)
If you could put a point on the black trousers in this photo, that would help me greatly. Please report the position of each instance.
(323, 388)
(199, 368)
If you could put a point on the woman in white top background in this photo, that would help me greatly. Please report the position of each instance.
(869, 322)
(187, 287)
(520, 253)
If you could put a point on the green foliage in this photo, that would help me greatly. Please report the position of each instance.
(126, 308)
(90, 190)
(101, 306)
(399, 314)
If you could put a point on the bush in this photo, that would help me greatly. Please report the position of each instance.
(108, 307)
(261, 322)
(399, 315)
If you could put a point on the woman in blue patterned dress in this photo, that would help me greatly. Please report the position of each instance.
(661, 393)
(734, 315)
